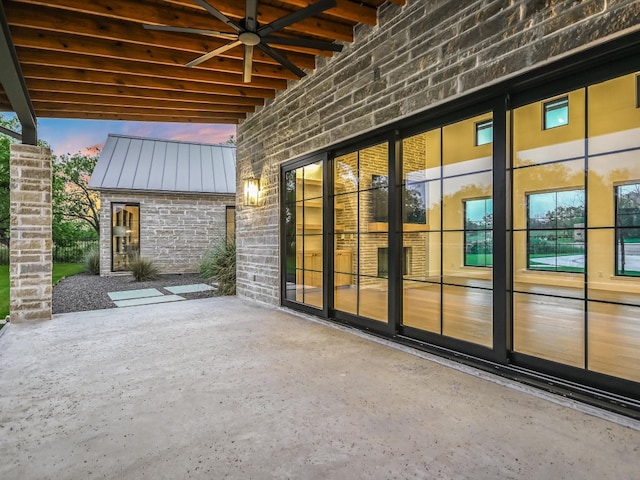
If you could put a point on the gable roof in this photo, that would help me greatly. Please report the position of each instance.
(146, 164)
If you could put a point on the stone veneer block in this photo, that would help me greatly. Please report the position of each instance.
(30, 256)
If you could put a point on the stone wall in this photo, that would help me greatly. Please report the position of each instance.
(418, 57)
(175, 229)
(30, 249)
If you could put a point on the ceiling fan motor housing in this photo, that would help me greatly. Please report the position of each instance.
(249, 38)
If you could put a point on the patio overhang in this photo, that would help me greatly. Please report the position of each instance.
(97, 60)
(15, 88)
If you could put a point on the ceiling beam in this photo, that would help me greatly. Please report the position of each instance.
(30, 56)
(22, 15)
(134, 110)
(75, 44)
(42, 99)
(138, 117)
(187, 14)
(89, 77)
(14, 85)
(45, 89)
(345, 9)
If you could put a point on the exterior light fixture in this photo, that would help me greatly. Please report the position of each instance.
(251, 191)
(119, 231)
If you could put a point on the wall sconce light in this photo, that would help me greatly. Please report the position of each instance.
(251, 191)
(119, 231)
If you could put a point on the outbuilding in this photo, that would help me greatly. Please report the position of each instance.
(152, 208)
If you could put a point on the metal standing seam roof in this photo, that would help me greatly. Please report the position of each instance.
(135, 163)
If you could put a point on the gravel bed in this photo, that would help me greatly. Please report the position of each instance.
(84, 292)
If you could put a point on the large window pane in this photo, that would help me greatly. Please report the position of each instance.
(440, 289)
(303, 226)
(361, 224)
(614, 340)
(549, 327)
(533, 144)
(468, 314)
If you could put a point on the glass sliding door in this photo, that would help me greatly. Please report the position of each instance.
(303, 221)
(576, 204)
(548, 229)
(613, 228)
(125, 235)
(448, 226)
(361, 224)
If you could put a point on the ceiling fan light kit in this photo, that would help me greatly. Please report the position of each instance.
(250, 34)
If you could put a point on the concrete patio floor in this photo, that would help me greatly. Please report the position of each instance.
(223, 388)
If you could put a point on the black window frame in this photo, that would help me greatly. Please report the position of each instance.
(481, 126)
(556, 229)
(620, 228)
(551, 106)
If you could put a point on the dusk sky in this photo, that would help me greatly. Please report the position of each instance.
(72, 136)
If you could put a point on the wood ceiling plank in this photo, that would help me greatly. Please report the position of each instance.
(344, 10)
(46, 98)
(41, 58)
(76, 44)
(87, 78)
(41, 89)
(22, 15)
(187, 14)
(135, 117)
(125, 109)
(323, 27)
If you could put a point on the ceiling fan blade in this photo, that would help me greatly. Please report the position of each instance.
(251, 15)
(281, 58)
(199, 31)
(294, 17)
(304, 42)
(213, 53)
(219, 15)
(248, 63)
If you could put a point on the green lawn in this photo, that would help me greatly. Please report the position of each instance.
(478, 259)
(60, 271)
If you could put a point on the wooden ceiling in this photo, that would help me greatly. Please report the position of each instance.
(93, 59)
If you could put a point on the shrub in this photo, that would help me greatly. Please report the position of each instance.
(143, 269)
(219, 265)
(91, 262)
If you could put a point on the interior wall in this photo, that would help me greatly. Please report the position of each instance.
(417, 57)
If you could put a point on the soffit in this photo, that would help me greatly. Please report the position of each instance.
(95, 60)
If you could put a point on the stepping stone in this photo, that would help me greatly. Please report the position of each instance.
(196, 287)
(128, 294)
(148, 300)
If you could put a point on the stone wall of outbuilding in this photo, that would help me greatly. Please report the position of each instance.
(175, 229)
(418, 57)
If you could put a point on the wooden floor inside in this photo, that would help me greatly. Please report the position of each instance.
(546, 327)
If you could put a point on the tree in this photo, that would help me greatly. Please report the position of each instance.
(5, 178)
(76, 208)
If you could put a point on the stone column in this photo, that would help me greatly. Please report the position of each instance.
(31, 243)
